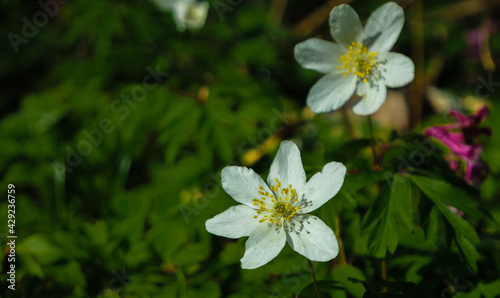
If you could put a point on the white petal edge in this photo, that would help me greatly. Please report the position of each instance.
(287, 167)
(317, 54)
(316, 241)
(331, 92)
(322, 186)
(383, 27)
(180, 12)
(197, 15)
(235, 222)
(242, 184)
(263, 245)
(345, 25)
(372, 100)
(398, 70)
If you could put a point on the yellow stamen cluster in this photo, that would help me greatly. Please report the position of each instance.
(280, 208)
(358, 61)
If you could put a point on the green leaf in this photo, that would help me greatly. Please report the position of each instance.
(461, 226)
(40, 246)
(464, 232)
(98, 233)
(445, 193)
(382, 228)
(344, 273)
(468, 251)
(31, 265)
(491, 289)
(465, 236)
(69, 274)
(402, 202)
(431, 224)
(192, 254)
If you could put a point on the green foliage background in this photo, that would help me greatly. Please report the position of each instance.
(128, 219)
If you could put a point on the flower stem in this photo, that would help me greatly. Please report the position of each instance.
(417, 55)
(341, 259)
(347, 123)
(383, 269)
(383, 273)
(314, 278)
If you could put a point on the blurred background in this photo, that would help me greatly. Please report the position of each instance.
(116, 118)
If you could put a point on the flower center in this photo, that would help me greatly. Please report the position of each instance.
(358, 61)
(278, 206)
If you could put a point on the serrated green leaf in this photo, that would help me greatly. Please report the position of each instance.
(402, 202)
(431, 224)
(445, 193)
(344, 273)
(467, 249)
(461, 226)
(464, 232)
(381, 226)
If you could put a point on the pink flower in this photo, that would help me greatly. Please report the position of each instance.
(477, 38)
(460, 137)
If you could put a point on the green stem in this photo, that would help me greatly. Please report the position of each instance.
(347, 123)
(341, 259)
(383, 269)
(383, 273)
(314, 278)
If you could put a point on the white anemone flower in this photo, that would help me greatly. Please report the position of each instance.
(359, 62)
(276, 212)
(189, 14)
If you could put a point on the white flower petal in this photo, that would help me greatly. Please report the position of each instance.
(287, 167)
(317, 54)
(398, 70)
(235, 222)
(197, 15)
(383, 27)
(180, 11)
(345, 25)
(372, 100)
(242, 184)
(312, 238)
(322, 186)
(331, 92)
(263, 245)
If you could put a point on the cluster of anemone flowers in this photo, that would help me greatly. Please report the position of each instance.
(276, 212)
